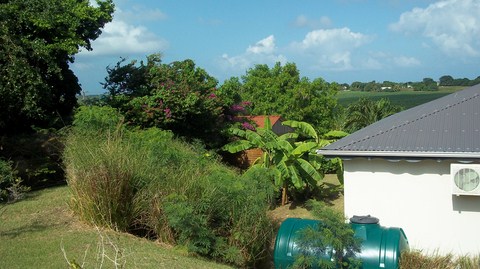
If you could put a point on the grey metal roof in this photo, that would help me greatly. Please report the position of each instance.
(448, 127)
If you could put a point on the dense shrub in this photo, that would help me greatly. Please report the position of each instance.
(179, 96)
(333, 237)
(148, 183)
(36, 157)
(7, 179)
(11, 188)
(96, 119)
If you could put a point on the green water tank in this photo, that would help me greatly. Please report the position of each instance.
(381, 246)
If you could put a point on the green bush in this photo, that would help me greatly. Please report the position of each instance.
(11, 188)
(96, 119)
(147, 183)
(7, 179)
(333, 237)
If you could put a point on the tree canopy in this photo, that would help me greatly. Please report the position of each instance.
(281, 91)
(365, 112)
(38, 41)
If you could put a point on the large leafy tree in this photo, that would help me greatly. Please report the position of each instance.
(281, 91)
(38, 41)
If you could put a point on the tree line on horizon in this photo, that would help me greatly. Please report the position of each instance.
(427, 84)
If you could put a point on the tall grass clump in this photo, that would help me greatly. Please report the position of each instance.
(417, 260)
(148, 183)
(100, 168)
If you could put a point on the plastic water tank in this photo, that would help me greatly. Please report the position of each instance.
(381, 246)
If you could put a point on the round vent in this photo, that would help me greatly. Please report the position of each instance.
(466, 179)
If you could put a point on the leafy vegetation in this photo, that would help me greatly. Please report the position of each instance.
(365, 112)
(36, 157)
(178, 96)
(281, 91)
(332, 238)
(147, 183)
(427, 84)
(450, 81)
(7, 180)
(294, 163)
(38, 39)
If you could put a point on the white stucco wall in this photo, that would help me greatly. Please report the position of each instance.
(418, 198)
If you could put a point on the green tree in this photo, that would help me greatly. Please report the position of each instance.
(267, 88)
(294, 163)
(332, 238)
(427, 84)
(446, 81)
(372, 86)
(430, 84)
(38, 41)
(280, 91)
(358, 86)
(475, 81)
(230, 91)
(365, 112)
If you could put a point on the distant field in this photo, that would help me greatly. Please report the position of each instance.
(406, 99)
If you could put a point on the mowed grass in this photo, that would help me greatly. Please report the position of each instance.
(34, 231)
(406, 99)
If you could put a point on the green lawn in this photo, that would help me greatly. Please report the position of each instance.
(34, 231)
(406, 99)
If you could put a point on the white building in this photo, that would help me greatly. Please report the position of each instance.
(419, 170)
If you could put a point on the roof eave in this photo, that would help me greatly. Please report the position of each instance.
(398, 154)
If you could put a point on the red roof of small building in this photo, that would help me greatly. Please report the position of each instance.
(260, 120)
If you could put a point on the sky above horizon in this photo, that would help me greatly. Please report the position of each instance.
(338, 40)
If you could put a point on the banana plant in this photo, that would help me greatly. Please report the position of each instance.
(292, 162)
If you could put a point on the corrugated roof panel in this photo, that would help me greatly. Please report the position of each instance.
(447, 125)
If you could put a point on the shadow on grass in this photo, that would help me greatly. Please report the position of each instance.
(36, 226)
(329, 192)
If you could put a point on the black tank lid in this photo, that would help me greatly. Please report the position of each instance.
(364, 219)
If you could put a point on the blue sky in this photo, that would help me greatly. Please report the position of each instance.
(338, 40)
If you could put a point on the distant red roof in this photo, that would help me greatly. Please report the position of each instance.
(260, 120)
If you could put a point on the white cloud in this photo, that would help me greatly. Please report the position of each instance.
(451, 25)
(264, 46)
(404, 61)
(330, 48)
(372, 64)
(381, 60)
(262, 52)
(304, 21)
(120, 38)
